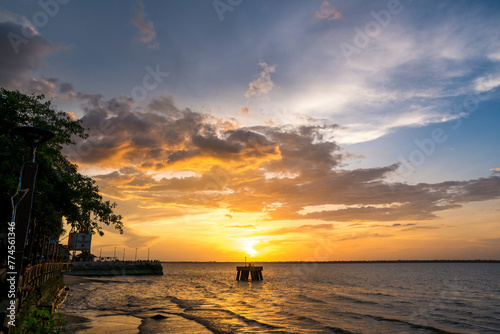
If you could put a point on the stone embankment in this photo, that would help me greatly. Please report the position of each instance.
(116, 268)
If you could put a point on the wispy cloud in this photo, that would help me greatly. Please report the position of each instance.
(327, 12)
(406, 76)
(244, 110)
(487, 83)
(242, 226)
(298, 229)
(147, 32)
(264, 83)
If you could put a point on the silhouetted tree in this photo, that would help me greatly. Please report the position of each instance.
(65, 194)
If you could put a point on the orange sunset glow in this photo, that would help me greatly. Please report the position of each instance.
(274, 194)
(311, 131)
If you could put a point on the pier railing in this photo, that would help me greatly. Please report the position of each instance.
(39, 274)
(101, 264)
(117, 268)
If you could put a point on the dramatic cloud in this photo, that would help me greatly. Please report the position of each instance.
(284, 173)
(66, 88)
(147, 32)
(164, 138)
(21, 52)
(327, 12)
(263, 84)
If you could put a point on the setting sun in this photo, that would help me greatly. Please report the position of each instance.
(249, 247)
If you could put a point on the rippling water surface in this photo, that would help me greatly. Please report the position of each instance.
(303, 298)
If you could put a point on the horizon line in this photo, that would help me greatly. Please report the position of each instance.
(349, 261)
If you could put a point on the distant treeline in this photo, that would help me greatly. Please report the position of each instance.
(368, 261)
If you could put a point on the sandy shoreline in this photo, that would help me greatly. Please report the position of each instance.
(100, 325)
(75, 323)
(153, 322)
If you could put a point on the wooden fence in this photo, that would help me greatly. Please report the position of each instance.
(39, 274)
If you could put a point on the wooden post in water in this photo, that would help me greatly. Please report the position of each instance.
(254, 272)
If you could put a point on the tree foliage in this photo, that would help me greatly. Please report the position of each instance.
(65, 194)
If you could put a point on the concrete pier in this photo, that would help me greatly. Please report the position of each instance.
(254, 272)
(117, 268)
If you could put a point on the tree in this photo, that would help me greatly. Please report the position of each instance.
(65, 194)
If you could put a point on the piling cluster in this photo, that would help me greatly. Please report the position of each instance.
(254, 272)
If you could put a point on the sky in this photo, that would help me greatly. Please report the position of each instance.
(276, 130)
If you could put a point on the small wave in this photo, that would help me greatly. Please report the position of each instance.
(336, 330)
(185, 304)
(304, 318)
(156, 308)
(258, 323)
(245, 319)
(107, 281)
(356, 300)
(459, 303)
(464, 324)
(404, 302)
(314, 300)
(411, 324)
(192, 311)
(217, 324)
(243, 302)
(377, 294)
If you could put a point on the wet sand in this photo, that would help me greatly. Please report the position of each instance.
(132, 325)
(126, 324)
(172, 324)
(107, 324)
(75, 323)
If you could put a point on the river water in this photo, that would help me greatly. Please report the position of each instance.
(297, 298)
